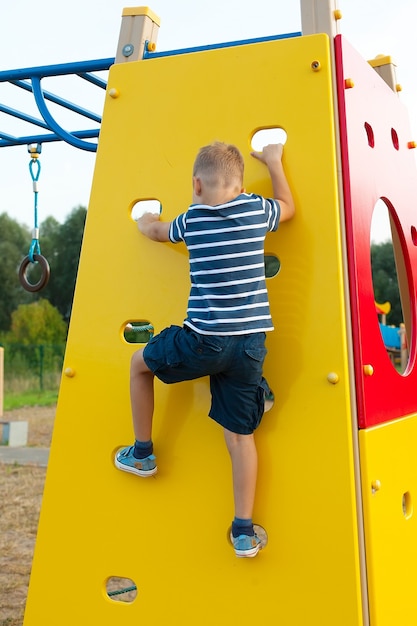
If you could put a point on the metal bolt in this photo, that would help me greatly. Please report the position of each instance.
(128, 50)
(333, 378)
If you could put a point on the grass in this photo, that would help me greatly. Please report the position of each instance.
(21, 489)
(18, 399)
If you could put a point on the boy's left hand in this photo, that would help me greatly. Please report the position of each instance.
(151, 226)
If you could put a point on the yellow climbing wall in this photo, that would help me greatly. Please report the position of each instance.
(388, 468)
(168, 534)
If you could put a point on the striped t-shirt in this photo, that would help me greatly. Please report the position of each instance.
(225, 243)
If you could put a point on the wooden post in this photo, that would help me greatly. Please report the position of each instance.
(320, 16)
(139, 25)
(385, 67)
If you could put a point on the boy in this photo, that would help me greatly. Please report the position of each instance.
(223, 335)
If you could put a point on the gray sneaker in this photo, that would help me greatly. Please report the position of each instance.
(246, 545)
(125, 461)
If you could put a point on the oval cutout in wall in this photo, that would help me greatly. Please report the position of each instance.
(369, 135)
(390, 285)
(272, 265)
(138, 331)
(121, 589)
(145, 206)
(265, 136)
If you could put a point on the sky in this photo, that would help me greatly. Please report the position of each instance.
(47, 32)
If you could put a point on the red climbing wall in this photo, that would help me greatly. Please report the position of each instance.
(377, 164)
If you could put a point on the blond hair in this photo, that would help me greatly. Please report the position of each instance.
(219, 164)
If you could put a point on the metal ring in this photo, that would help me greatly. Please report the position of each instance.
(46, 272)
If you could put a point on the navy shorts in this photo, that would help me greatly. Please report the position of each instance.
(234, 364)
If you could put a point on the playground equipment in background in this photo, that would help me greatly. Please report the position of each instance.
(395, 341)
(34, 256)
(383, 309)
(337, 462)
(29, 79)
(394, 337)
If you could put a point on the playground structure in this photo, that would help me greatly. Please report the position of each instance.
(337, 462)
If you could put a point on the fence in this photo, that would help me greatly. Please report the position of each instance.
(32, 366)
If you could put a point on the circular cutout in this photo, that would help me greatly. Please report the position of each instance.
(272, 265)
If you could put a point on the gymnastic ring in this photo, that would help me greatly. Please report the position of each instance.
(46, 272)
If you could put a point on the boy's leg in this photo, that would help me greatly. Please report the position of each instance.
(141, 397)
(139, 459)
(243, 454)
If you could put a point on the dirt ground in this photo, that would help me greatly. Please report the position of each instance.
(40, 423)
(21, 489)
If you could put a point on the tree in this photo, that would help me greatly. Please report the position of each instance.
(62, 246)
(38, 323)
(385, 280)
(35, 344)
(13, 248)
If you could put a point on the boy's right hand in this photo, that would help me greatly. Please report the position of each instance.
(270, 155)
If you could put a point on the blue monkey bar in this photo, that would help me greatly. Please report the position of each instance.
(29, 79)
